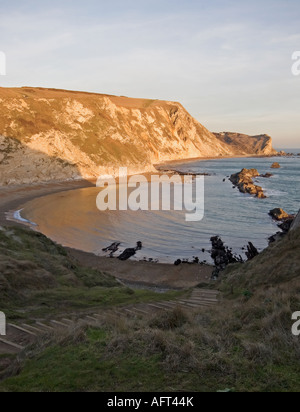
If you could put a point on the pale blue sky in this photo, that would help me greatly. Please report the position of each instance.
(228, 62)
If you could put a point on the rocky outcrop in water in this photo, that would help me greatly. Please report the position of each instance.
(286, 222)
(280, 215)
(275, 166)
(245, 184)
(252, 252)
(222, 256)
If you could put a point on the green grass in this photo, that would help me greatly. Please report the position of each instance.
(132, 356)
(243, 344)
(39, 279)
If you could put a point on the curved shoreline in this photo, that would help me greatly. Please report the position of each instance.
(13, 198)
(146, 274)
(15, 216)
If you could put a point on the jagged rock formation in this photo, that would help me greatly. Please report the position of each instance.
(244, 181)
(280, 215)
(48, 135)
(286, 223)
(242, 144)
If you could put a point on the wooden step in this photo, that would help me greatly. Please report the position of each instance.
(12, 344)
(60, 324)
(140, 311)
(19, 328)
(7, 349)
(158, 307)
(47, 327)
(209, 294)
(33, 328)
(192, 305)
(169, 304)
(204, 299)
(200, 302)
(68, 321)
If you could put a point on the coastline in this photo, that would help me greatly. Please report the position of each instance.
(158, 275)
(198, 159)
(12, 199)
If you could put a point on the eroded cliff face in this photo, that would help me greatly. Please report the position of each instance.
(48, 135)
(242, 144)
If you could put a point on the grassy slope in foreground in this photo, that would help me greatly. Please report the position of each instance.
(39, 276)
(245, 344)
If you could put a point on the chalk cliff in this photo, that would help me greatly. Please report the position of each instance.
(48, 135)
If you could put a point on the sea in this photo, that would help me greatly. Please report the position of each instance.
(72, 218)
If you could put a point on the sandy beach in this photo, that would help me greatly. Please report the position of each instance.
(148, 274)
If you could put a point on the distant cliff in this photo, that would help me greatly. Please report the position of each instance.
(242, 144)
(50, 135)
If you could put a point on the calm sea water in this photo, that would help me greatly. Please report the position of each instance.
(73, 220)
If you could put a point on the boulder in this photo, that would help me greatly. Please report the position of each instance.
(127, 254)
(252, 252)
(222, 256)
(279, 214)
(275, 166)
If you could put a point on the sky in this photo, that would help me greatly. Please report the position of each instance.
(228, 62)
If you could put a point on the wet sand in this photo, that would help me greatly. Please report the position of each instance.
(14, 197)
(148, 274)
(143, 273)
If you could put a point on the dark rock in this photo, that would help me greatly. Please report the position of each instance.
(112, 248)
(286, 220)
(178, 262)
(221, 255)
(127, 254)
(286, 225)
(252, 252)
(282, 154)
(139, 246)
(276, 237)
(267, 175)
(280, 215)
